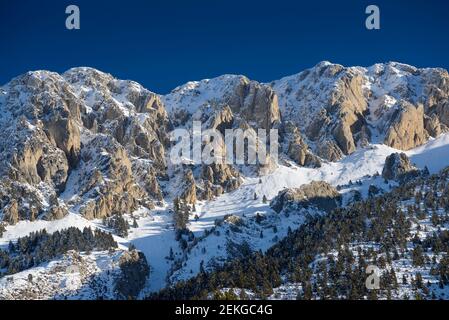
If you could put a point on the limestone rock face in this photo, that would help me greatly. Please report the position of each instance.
(296, 148)
(433, 126)
(255, 102)
(38, 140)
(318, 193)
(65, 134)
(217, 179)
(348, 100)
(252, 101)
(208, 191)
(226, 102)
(407, 128)
(398, 167)
(99, 144)
(442, 111)
(134, 274)
(11, 212)
(134, 116)
(330, 151)
(107, 184)
(223, 175)
(436, 93)
(37, 160)
(104, 137)
(56, 213)
(343, 136)
(338, 109)
(222, 119)
(20, 201)
(187, 190)
(146, 177)
(332, 114)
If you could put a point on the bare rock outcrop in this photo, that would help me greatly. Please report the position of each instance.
(398, 167)
(255, 102)
(103, 136)
(325, 114)
(99, 144)
(338, 109)
(11, 212)
(296, 147)
(433, 126)
(317, 194)
(20, 201)
(133, 276)
(187, 189)
(442, 111)
(250, 100)
(134, 116)
(217, 179)
(222, 174)
(107, 182)
(146, 177)
(406, 129)
(56, 213)
(330, 151)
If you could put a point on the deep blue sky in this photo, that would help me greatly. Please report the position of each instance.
(165, 43)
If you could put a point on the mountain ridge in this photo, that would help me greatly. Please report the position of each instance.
(83, 148)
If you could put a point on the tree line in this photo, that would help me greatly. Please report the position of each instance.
(38, 247)
(328, 255)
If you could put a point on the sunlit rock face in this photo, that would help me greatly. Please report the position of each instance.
(338, 109)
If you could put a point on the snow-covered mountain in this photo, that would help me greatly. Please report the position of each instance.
(83, 149)
(339, 108)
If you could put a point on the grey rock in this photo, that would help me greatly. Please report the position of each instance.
(318, 194)
(398, 167)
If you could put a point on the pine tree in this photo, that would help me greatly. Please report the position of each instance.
(2, 229)
(417, 256)
(308, 294)
(119, 225)
(181, 214)
(243, 295)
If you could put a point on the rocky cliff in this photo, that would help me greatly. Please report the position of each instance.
(317, 194)
(339, 108)
(87, 143)
(76, 142)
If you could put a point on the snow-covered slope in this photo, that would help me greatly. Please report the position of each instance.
(72, 277)
(118, 137)
(302, 96)
(350, 106)
(195, 94)
(434, 154)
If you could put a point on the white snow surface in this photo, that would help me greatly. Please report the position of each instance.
(195, 94)
(155, 235)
